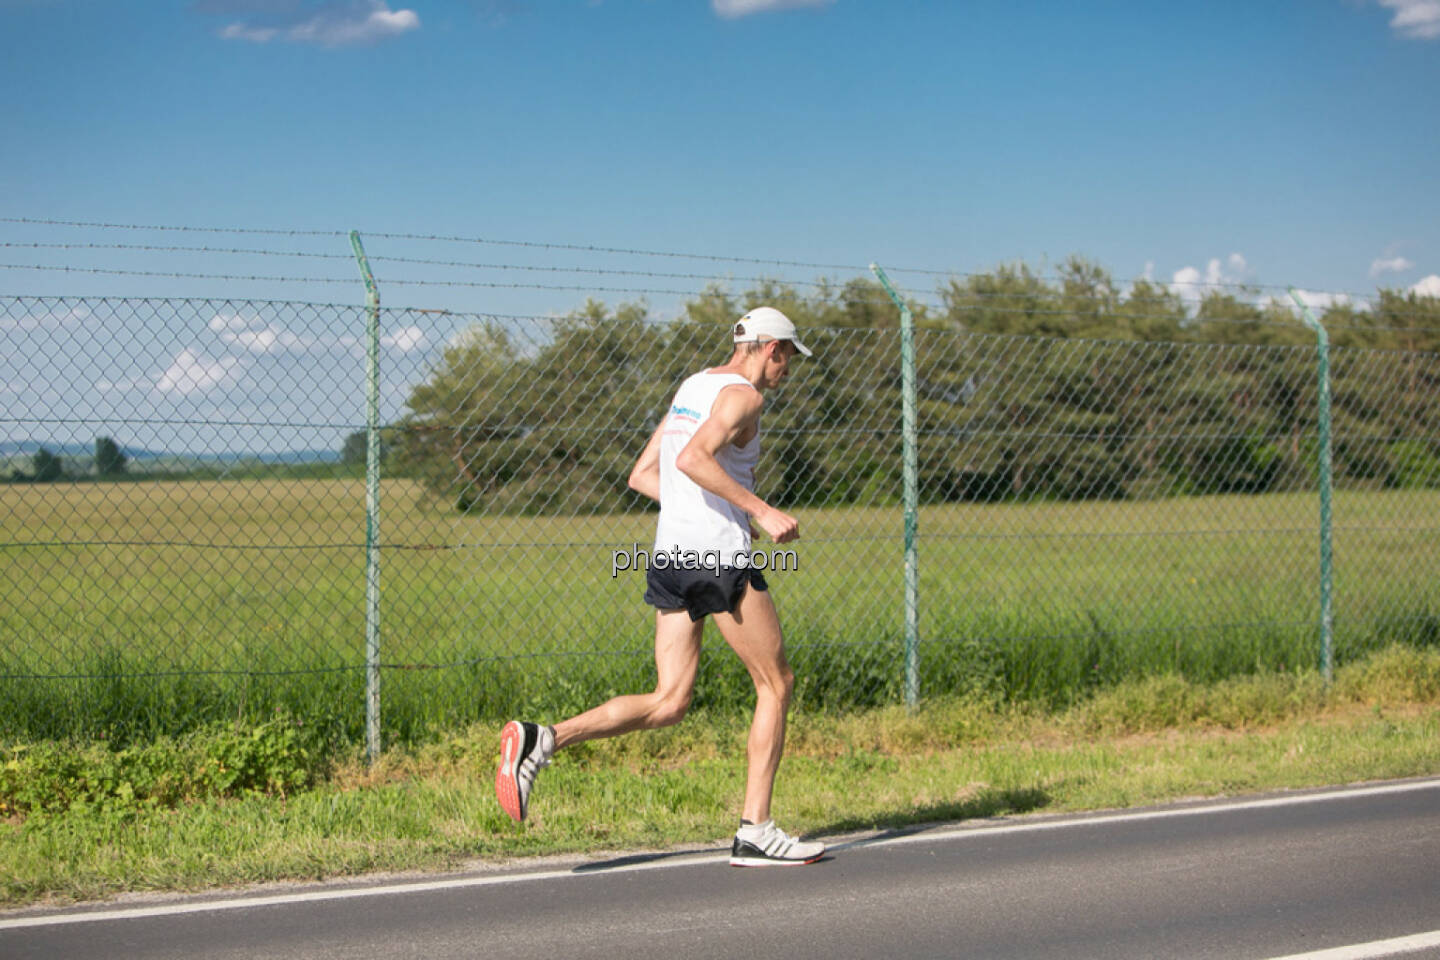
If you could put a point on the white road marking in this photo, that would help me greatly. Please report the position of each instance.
(314, 896)
(923, 836)
(1376, 948)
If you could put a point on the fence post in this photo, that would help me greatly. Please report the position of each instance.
(372, 503)
(911, 490)
(1327, 620)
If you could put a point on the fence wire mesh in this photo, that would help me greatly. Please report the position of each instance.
(188, 542)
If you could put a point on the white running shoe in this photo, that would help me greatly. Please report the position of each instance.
(524, 749)
(766, 845)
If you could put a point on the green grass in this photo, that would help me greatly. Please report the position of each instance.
(244, 805)
(148, 609)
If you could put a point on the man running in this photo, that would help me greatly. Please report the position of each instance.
(700, 465)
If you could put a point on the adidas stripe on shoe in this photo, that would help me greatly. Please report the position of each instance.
(766, 845)
(524, 749)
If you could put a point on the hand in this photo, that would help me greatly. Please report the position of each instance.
(780, 525)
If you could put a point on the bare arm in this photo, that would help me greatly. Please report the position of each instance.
(645, 475)
(736, 412)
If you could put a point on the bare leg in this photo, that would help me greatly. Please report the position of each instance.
(677, 657)
(753, 631)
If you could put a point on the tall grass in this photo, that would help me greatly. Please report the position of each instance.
(131, 611)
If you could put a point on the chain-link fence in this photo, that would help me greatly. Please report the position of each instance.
(188, 542)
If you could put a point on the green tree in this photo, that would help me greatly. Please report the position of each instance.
(110, 461)
(353, 451)
(46, 467)
(1012, 299)
(1070, 387)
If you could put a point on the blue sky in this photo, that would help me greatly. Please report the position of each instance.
(1301, 136)
(1277, 142)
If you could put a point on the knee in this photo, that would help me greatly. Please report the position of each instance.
(779, 684)
(669, 709)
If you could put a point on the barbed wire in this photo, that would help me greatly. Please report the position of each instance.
(437, 238)
(957, 312)
(578, 288)
(993, 301)
(916, 300)
(603, 271)
(416, 261)
(155, 248)
(413, 261)
(861, 269)
(42, 221)
(176, 275)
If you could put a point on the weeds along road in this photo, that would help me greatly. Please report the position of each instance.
(1251, 878)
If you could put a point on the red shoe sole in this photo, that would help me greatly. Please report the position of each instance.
(512, 741)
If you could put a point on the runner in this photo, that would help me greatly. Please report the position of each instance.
(700, 465)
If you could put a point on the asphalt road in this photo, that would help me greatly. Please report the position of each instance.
(1254, 878)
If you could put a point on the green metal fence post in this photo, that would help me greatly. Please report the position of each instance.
(372, 503)
(911, 490)
(1327, 619)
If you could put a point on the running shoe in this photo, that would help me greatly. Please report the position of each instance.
(766, 845)
(524, 749)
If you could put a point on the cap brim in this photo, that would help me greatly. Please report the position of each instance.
(804, 350)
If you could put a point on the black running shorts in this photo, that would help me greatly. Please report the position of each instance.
(699, 592)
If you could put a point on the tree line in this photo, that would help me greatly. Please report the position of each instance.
(1067, 388)
(47, 466)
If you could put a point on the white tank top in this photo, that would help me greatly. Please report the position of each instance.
(691, 517)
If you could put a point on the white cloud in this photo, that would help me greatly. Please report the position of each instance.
(1148, 276)
(238, 31)
(1429, 287)
(332, 25)
(1191, 285)
(192, 371)
(410, 338)
(266, 340)
(223, 321)
(1320, 301)
(1186, 276)
(732, 9)
(1419, 19)
(1389, 265)
(255, 336)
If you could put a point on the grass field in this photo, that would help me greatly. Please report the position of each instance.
(233, 805)
(138, 609)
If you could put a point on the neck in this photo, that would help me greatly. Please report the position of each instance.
(751, 366)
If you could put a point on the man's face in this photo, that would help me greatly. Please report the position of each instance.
(777, 361)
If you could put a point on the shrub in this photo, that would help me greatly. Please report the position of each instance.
(272, 758)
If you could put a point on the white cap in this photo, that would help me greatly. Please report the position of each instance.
(769, 324)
